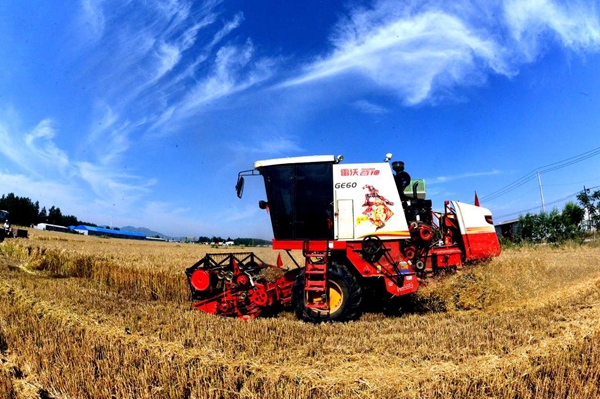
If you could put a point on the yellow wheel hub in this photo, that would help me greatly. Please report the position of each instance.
(336, 297)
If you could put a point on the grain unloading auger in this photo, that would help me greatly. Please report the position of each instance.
(362, 229)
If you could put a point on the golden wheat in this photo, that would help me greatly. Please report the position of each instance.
(92, 317)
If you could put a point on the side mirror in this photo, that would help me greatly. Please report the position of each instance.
(239, 186)
(263, 204)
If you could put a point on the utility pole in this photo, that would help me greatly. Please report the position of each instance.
(586, 216)
(541, 192)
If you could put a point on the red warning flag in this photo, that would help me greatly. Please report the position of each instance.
(279, 261)
(476, 199)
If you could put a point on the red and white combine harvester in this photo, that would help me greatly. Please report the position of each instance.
(362, 229)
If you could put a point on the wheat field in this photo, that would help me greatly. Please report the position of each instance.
(88, 317)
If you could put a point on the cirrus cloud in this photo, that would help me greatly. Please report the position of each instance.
(420, 51)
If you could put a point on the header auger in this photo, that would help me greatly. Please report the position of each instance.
(236, 285)
(361, 228)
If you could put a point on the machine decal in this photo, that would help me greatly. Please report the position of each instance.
(377, 210)
(346, 185)
(362, 219)
(359, 172)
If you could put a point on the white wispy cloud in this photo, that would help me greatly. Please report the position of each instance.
(468, 175)
(176, 12)
(234, 70)
(574, 24)
(33, 151)
(40, 169)
(10, 145)
(45, 191)
(370, 108)
(168, 56)
(271, 145)
(246, 212)
(422, 50)
(92, 19)
(173, 68)
(409, 56)
(111, 185)
(109, 136)
(41, 146)
(227, 29)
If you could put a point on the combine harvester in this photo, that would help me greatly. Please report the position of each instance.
(362, 229)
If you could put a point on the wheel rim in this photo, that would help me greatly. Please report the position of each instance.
(336, 297)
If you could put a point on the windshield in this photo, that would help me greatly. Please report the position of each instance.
(300, 200)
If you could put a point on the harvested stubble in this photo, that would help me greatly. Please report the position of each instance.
(524, 325)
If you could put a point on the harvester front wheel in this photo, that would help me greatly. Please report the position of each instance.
(344, 295)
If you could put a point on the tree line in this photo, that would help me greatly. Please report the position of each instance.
(24, 212)
(573, 223)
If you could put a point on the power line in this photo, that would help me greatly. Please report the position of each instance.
(538, 207)
(544, 169)
(570, 183)
(549, 203)
(569, 161)
(516, 184)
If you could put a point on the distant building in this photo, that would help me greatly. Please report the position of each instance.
(588, 223)
(101, 231)
(507, 229)
(155, 239)
(51, 227)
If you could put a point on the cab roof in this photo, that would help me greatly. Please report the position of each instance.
(294, 160)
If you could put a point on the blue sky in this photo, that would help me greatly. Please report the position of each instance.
(142, 112)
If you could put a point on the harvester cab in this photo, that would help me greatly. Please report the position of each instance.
(361, 228)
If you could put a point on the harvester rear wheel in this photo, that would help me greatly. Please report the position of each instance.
(344, 292)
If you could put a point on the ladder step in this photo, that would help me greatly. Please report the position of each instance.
(315, 269)
(316, 290)
(310, 285)
(315, 275)
(318, 305)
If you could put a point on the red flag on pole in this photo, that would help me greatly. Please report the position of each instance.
(279, 261)
(476, 199)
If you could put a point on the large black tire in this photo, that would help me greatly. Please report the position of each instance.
(343, 285)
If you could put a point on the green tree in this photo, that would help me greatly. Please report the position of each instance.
(526, 228)
(22, 210)
(554, 227)
(69, 220)
(573, 216)
(591, 204)
(54, 215)
(42, 216)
